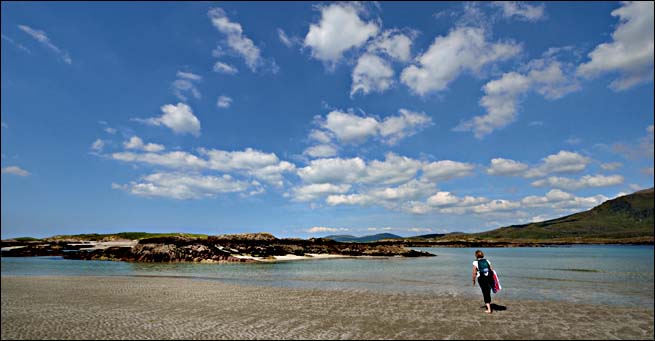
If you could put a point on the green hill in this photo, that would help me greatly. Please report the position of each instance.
(628, 216)
(363, 239)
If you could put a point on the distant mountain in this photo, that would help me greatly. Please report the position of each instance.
(364, 239)
(628, 216)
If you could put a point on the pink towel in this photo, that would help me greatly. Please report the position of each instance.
(496, 288)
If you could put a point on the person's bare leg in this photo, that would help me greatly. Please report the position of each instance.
(488, 308)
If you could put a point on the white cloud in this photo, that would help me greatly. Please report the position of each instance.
(630, 53)
(502, 95)
(446, 170)
(320, 136)
(371, 74)
(557, 199)
(333, 170)
(235, 39)
(15, 170)
(18, 45)
(185, 83)
(442, 199)
(314, 191)
(110, 130)
(370, 181)
(393, 170)
(392, 43)
(42, 38)
(189, 75)
(183, 186)
(339, 30)
(135, 142)
(610, 166)
(249, 162)
(287, 40)
(321, 150)
(500, 166)
(562, 162)
(175, 160)
(351, 128)
(221, 67)
(463, 49)
(575, 184)
(179, 118)
(97, 145)
(224, 102)
(264, 166)
(317, 229)
(389, 197)
(520, 10)
(395, 128)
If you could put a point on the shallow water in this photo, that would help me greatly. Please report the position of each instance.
(615, 275)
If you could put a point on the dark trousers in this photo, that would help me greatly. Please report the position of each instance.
(486, 282)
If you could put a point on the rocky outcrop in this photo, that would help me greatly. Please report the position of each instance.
(223, 248)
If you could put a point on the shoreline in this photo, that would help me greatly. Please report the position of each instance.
(96, 307)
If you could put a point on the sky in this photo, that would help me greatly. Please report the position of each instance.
(308, 119)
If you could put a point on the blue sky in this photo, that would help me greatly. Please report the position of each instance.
(309, 119)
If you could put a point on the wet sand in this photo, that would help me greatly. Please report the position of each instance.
(177, 308)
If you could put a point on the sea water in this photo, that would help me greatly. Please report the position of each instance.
(615, 275)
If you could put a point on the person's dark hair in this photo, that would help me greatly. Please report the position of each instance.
(479, 254)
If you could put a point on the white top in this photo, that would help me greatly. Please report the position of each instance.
(475, 263)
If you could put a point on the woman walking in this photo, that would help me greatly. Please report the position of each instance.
(483, 271)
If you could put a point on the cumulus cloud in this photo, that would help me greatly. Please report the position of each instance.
(185, 83)
(15, 170)
(135, 142)
(520, 10)
(184, 186)
(389, 197)
(339, 30)
(350, 128)
(237, 41)
(370, 182)
(321, 150)
(576, 184)
(333, 170)
(393, 43)
(464, 49)
(446, 170)
(562, 162)
(224, 102)
(43, 38)
(179, 118)
(314, 191)
(545, 76)
(610, 166)
(264, 166)
(221, 67)
(500, 166)
(317, 229)
(249, 162)
(630, 53)
(554, 200)
(98, 145)
(371, 74)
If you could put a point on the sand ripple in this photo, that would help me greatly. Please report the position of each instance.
(177, 308)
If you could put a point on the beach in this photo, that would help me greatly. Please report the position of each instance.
(116, 307)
